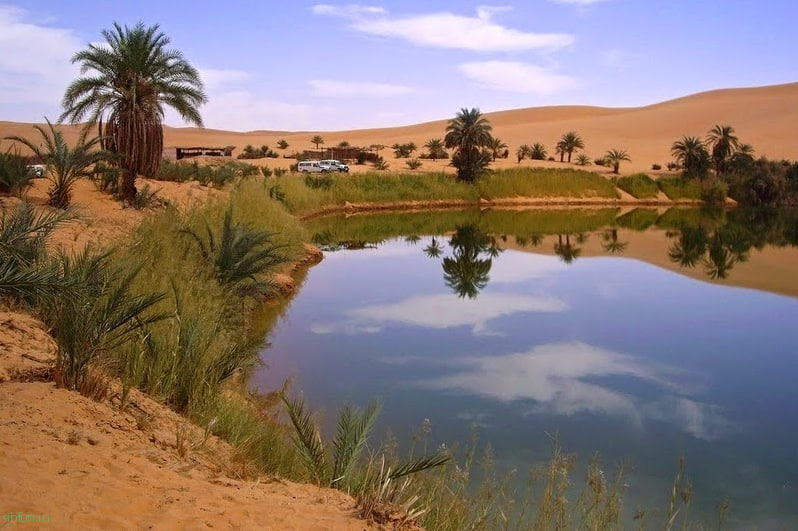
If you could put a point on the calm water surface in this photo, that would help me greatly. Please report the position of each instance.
(528, 323)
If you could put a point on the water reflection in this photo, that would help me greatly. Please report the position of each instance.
(467, 270)
(718, 252)
(714, 242)
(565, 379)
(439, 312)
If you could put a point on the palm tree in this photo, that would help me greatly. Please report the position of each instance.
(724, 143)
(467, 134)
(571, 142)
(133, 77)
(496, 145)
(538, 151)
(561, 150)
(615, 157)
(318, 140)
(65, 165)
(691, 153)
(435, 148)
(522, 152)
(239, 255)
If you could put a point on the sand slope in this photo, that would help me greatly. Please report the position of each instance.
(762, 116)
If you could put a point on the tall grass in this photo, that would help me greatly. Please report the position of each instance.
(678, 188)
(381, 187)
(639, 185)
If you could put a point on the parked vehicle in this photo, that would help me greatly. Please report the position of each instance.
(311, 166)
(37, 170)
(334, 165)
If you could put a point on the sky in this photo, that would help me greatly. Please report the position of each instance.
(300, 66)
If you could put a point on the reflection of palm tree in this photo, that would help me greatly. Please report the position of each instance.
(466, 275)
(719, 260)
(413, 239)
(610, 243)
(566, 250)
(434, 249)
(465, 272)
(535, 239)
(690, 248)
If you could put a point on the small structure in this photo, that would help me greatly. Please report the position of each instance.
(177, 153)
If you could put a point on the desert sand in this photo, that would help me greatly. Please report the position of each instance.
(764, 117)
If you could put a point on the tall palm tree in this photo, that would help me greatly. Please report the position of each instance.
(615, 157)
(691, 153)
(496, 145)
(571, 142)
(723, 142)
(538, 151)
(133, 77)
(523, 152)
(467, 134)
(318, 140)
(65, 165)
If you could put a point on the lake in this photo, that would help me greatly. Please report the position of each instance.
(641, 334)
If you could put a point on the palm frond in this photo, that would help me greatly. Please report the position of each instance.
(307, 439)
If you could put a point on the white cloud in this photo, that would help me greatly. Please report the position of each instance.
(443, 311)
(513, 76)
(446, 30)
(345, 89)
(35, 62)
(216, 79)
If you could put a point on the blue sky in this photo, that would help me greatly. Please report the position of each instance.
(335, 66)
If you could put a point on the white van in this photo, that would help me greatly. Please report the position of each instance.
(334, 165)
(311, 166)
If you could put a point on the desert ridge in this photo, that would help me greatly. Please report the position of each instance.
(762, 116)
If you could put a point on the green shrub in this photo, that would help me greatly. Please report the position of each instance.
(656, 167)
(714, 191)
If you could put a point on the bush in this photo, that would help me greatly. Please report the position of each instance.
(266, 171)
(279, 172)
(714, 192)
(380, 164)
(582, 160)
(413, 164)
(599, 162)
(15, 178)
(656, 167)
(551, 159)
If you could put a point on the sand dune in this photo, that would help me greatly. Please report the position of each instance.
(762, 116)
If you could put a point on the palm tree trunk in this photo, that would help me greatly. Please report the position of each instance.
(128, 188)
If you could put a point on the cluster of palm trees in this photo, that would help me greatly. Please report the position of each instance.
(720, 150)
